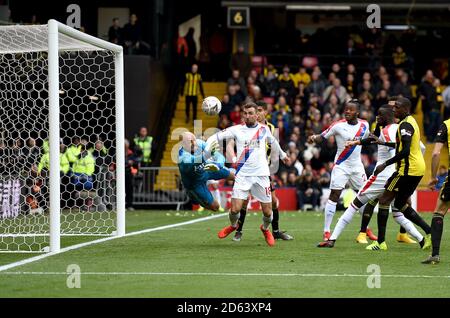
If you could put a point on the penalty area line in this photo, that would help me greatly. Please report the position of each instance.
(226, 274)
(77, 246)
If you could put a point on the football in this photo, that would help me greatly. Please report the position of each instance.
(211, 105)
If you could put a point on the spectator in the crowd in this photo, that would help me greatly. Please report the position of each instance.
(399, 57)
(31, 154)
(302, 77)
(131, 168)
(101, 155)
(132, 37)
(427, 93)
(286, 84)
(402, 87)
(291, 180)
(236, 78)
(236, 97)
(282, 105)
(336, 89)
(297, 164)
(235, 115)
(270, 84)
(115, 32)
(241, 61)
(143, 143)
(350, 51)
(316, 124)
(337, 71)
(331, 104)
(435, 102)
(192, 46)
(350, 85)
(192, 87)
(224, 122)
(367, 89)
(316, 85)
(351, 69)
(83, 170)
(227, 106)
(308, 191)
(74, 150)
(257, 78)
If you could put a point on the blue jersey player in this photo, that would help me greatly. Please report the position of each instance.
(199, 163)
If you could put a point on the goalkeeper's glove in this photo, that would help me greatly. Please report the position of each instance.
(214, 147)
(211, 167)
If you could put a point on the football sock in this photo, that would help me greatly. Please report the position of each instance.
(241, 221)
(407, 225)
(234, 217)
(383, 214)
(216, 195)
(412, 215)
(345, 219)
(330, 210)
(367, 215)
(437, 225)
(266, 221)
(276, 218)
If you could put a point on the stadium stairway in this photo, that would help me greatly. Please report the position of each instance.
(166, 180)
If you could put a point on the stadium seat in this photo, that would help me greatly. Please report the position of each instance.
(258, 63)
(310, 61)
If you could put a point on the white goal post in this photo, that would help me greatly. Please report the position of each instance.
(59, 85)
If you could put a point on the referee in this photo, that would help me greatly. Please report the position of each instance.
(191, 87)
(402, 184)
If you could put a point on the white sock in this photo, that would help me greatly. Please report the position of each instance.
(407, 225)
(216, 195)
(234, 217)
(330, 210)
(345, 219)
(266, 221)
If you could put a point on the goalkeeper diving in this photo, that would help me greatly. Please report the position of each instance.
(199, 162)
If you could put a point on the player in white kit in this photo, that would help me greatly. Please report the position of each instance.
(374, 186)
(348, 167)
(252, 172)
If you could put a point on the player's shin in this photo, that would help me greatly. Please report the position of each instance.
(216, 195)
(345, 219)
(367, 213)
(383, 214)
(234, 217)
(242, 215)
(267, 220)
(275, 220)
(437, 225)
(407, 225)
(412, 215)
(330, 210)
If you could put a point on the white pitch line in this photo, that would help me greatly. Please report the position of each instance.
(223, 274)
(77, 246)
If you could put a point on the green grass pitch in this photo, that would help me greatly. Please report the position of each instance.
(190, 261)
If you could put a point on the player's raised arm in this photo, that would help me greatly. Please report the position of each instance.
(327, 133)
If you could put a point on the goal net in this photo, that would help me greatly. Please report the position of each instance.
(61, 137)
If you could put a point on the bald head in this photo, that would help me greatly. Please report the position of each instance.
(189, 142)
